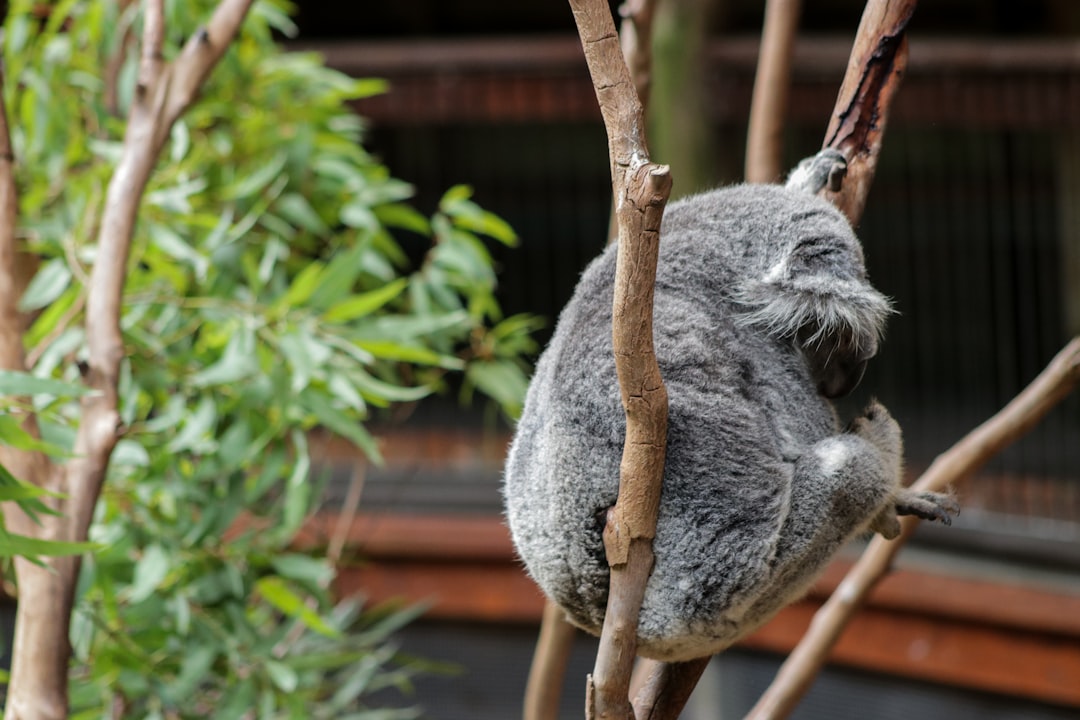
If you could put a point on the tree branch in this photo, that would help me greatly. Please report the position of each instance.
(641, 189)
(11, 347)
(768, 108)
(1059, 379)
(875, 68)
(43, 695)
(153, 39)
(636, 39)
(543, 691)
(667, 688)
(165, 92)
(547, 672)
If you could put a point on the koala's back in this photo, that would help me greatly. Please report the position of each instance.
(741, 410)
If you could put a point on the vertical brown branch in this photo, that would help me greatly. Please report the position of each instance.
(1055, 383)
(667, 689)
(11, 347)
(45, 692)
(641, 189)
(152, 41)
(547, 673)
(875, 68)
(765, 138)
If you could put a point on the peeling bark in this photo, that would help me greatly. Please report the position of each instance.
(875, 69)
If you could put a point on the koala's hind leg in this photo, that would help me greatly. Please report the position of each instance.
(839, 487)
(878, 428)
(848, 482)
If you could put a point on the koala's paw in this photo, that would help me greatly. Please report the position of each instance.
(927, 505)
(878, 428)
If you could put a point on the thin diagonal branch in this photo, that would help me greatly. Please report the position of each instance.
(857, 127)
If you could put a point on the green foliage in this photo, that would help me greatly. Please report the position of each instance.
(268, 295)
(22, 389)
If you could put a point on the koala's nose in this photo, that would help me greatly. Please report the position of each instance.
(842, 378)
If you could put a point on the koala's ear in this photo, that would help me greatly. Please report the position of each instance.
(836, 363)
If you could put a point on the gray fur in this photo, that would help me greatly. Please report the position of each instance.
(762, 306)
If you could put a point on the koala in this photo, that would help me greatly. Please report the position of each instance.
(763, 313)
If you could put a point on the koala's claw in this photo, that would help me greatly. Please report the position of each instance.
(928, 506)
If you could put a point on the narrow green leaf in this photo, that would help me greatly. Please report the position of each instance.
(13, 382)
(13, 434)
(298, 486)
(197, 429)
(366, 87)
(50, 316)
(237, 362)
(341, 423)
(172, 244)
(21, 545)
(48, 283)
(372, 386)
(489, 224)
(277, 592)
(296, 209)
(150, 571)
(195, 666)
(359, 215)
(303, 285)
(283, 676)
(403, 216)
(388, 350)
(261, 178)
(22, 491)
(366, 303)
(454, 196)
(303, 569)
(340, 275)
(501, 380)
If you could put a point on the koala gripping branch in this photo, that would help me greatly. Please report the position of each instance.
(641, 190)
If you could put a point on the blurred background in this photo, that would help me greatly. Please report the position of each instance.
(972, 226)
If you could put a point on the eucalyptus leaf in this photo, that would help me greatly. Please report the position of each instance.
(14, 434)
(364, 304)
(277, 592)
(13, 382)
(150, 571)
(51, 279)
